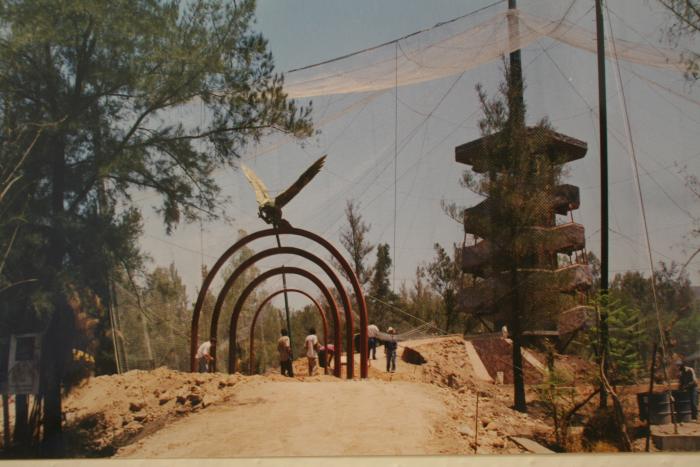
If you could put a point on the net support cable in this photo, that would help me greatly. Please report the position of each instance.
(635, 168)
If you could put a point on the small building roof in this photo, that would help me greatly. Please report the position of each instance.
(559, 147)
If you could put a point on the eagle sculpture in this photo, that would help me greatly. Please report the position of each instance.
(270, 209)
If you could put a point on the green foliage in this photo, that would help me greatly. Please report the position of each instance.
(446, 280)
(353, 238)
(304, 319)
(686, 334)
(678, 308)
(380, 285)
(249, 306)
(114, 77)
(627, 337)
(419, 302)
(155, 321)
(558, 396)
(685, 16)
(382, 298)
(267, 331)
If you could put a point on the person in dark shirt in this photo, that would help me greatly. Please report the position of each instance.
(390, 351)
(688, 384)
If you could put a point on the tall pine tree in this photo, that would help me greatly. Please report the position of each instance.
(111, 75)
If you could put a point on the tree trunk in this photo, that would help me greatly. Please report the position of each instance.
(519, 403)
(59, 332)
(6, 422)
(604, 344)
(21, 437)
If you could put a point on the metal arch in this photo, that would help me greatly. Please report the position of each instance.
(323, 318)
(359, 296)
(293, 251)
(233, 326)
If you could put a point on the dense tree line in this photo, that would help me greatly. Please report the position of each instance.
(102, 79)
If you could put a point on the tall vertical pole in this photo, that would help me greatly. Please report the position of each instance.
(517, 104)
(603, 130)
(286, 309)
(516, 115)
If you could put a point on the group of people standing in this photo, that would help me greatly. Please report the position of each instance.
(312, 348)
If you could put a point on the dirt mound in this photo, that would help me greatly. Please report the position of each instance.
(446, 362)
(577, 367)
(110, 411)
(497, 355)
(447, 366)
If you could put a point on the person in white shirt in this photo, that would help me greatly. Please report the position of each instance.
(204, 356)
(372, 331)
(311, 346)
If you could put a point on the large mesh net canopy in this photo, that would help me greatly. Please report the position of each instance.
(457, 46)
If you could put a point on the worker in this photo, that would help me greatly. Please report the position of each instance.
(372, 331)
(204, 356)
(390, 351)
(284, 348)
(325, 356)
(689, 385)
(311, 346)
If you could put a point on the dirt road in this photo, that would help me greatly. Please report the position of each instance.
(421, 409)
(326, 417)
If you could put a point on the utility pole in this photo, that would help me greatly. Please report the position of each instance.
(603, 130)
(517, 103)
(286, 311)
(286, 307)
(516, 112)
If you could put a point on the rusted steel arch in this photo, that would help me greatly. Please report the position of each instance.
(323, 318)
(233, 326)
(360, 298)
(293, 251)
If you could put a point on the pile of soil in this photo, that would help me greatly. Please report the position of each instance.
(497, 355)
(106, 412)
(447, 363)
(447, 366)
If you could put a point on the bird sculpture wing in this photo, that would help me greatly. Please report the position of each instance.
(261, 194)
(286, 196)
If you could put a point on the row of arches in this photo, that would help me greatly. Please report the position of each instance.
(285, 250)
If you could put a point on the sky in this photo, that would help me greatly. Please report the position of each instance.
(418, 126)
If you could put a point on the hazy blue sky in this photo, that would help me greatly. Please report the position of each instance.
(561, 84)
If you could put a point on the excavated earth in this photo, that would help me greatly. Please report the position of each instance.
(428, 408)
